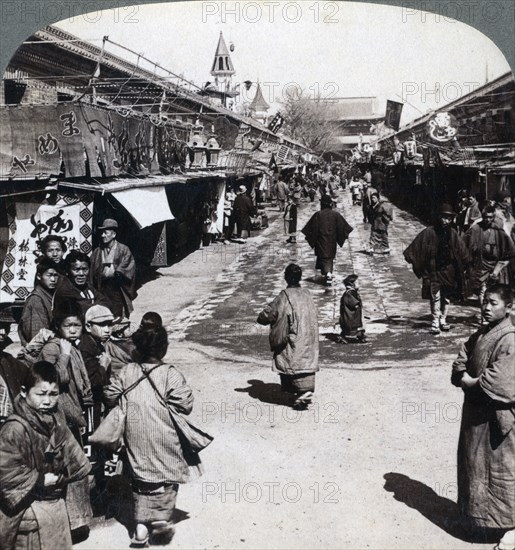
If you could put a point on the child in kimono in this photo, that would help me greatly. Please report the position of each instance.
(351, 308)
(75, 401)
(290, 220)
(485, 371)
(39, 457)
(356, 189)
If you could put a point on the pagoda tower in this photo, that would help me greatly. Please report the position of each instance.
(259, 107)
(222, 68)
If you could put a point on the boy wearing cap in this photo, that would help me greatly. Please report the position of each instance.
(113, 270)
(439, 257)
(99, 323)
(96, 350)
(351, 308)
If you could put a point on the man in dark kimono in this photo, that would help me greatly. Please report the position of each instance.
(439, 257)
(113, 270)
(243, 209)
(492, 250)
(324, 231)
(76, 286)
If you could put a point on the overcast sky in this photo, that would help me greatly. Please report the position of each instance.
(335, 49)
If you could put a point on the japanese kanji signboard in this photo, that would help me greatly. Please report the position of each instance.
(29, 222)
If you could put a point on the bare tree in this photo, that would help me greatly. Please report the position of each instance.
(309, 120)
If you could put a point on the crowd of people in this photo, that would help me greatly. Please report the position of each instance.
(81, 358)
(465, 253)
(85, 370)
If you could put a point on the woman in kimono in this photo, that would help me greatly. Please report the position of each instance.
(380, 216)
(290, 220)
(39, 458)
(293, 321)
(485, 370)
(75, 397)
(157, 459)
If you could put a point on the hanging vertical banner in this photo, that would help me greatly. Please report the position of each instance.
(46, 134)
(29, 222)
(392, 117)
(6, 151)
(283, 152)
(217, 224)
(71, 141)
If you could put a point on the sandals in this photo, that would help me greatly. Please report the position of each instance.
(303, 401)
(507, 542)
(136, 543)
(140, 543)
(162, 532)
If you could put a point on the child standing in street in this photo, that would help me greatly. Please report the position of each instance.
(484, 370)
(351, 308)
(356, 189)
(39, 457)
(290, 220)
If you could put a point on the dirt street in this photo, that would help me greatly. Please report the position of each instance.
(373, 463)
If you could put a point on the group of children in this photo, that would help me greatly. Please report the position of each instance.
(47, 408)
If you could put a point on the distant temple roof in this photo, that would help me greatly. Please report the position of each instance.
(258, 103)
(353, 108)
(222, 64)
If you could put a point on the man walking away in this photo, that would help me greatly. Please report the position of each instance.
(324, 231)
(293, 321)
(439, 257)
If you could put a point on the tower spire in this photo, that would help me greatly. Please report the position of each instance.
(259, 107)
(222, 64)
(258, 103)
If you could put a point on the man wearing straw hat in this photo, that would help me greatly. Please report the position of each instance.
(113, 270)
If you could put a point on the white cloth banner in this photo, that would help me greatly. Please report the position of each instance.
(30, 222)
(146, 205)
(217, 225)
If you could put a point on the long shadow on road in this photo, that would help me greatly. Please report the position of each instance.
(267, 393)
(440, 511)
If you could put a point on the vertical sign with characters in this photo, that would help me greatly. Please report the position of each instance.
(70, 217)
